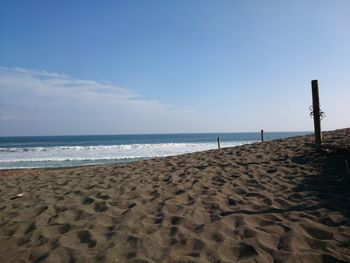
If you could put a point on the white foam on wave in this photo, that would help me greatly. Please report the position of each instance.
(103, 152)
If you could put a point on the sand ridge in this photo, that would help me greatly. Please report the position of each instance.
(277, 201)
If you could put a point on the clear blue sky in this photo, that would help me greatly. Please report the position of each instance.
(90, 67)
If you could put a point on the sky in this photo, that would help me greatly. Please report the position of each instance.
(120, 67)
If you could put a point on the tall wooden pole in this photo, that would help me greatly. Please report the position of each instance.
(316, 112)
(218, 143)
(262, 135)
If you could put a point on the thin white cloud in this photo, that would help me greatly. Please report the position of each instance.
(58, 103)
(43, 82)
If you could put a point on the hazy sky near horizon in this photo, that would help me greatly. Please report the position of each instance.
(116, 67)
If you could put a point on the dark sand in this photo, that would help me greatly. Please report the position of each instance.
(278, 201)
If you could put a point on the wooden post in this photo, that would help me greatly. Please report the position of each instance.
(262, 135)
(316, 112)
(218, 143)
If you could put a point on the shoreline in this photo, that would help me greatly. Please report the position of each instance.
(278, 200)
(86, 150)
(131, 160)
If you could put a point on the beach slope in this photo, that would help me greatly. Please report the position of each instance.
(280, 201)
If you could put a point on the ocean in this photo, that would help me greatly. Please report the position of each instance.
(64, 151)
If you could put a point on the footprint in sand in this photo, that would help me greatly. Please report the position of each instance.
(190, 200)
(101, 206)
(40, 210)
(246, 251)
(218, 181)
(133, 241)
(87, 200)
(198, 244)
(180, 191)
(110, 232)
(64, 228)
(175, 220)
(31, 228)
(103, 196)
(217, 237)
(85, 237)
(155, 193)
(198, 228)
(173, 230)
(158, 220)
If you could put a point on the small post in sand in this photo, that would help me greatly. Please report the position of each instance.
(316, 112)
(218, 143)
(262, 135)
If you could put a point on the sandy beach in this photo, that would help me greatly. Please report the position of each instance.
(276, 201)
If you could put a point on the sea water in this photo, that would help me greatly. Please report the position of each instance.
(63, 151)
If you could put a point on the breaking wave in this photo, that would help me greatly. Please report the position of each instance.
(76, 155)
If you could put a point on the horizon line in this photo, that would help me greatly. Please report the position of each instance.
(126, 134)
